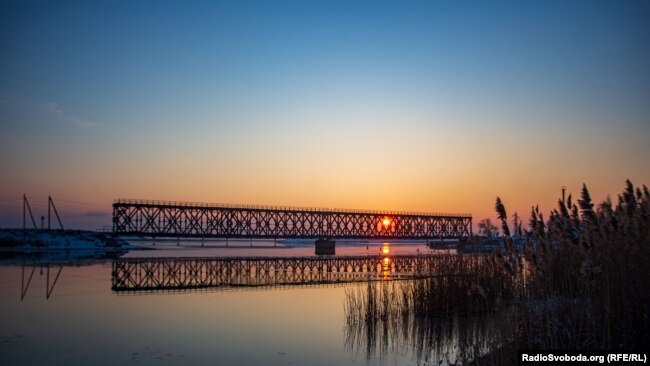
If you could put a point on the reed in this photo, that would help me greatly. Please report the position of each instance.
(589, 286)
(580, 281)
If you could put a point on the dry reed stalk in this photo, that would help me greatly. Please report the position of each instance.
(580, 281)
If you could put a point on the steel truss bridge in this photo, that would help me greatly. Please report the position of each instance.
(201, 220)
(136, 275)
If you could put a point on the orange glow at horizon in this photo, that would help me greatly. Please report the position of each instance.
(295, 179)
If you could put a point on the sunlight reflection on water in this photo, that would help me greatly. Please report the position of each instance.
(83, 322)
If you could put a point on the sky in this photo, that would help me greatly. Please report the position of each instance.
(436, 106)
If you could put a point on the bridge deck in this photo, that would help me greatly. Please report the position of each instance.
(177, 219)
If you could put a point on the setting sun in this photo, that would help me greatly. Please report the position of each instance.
(386, 221)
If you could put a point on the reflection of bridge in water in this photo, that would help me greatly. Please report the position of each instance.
(180, 274)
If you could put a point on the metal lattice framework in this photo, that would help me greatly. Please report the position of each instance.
(179, 274)
(178, 219)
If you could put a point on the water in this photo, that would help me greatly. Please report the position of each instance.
(83, 321)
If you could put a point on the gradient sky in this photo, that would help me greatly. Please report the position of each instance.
(427, 106)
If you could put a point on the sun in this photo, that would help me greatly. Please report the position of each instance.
(386, 221)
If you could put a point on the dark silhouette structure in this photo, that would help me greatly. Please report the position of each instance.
(203, 220)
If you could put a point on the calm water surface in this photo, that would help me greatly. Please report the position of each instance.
(83, 322)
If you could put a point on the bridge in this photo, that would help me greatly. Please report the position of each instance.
(204, 220)
(135, 275)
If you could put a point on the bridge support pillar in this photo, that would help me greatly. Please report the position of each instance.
(325, 247)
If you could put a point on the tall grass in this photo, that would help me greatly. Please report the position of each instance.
(382, 321)
(580, 281)
(590, 276)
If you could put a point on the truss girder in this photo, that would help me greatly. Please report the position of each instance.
(169, 220)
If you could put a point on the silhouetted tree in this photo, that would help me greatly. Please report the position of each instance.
(487, 228)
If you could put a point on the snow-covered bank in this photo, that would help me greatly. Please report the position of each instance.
(45, 240)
